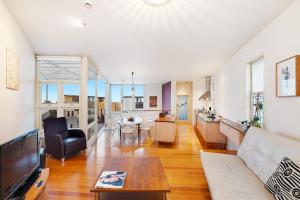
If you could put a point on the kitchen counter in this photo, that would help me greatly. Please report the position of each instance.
(208, 131)
(170, 119)
(207, 119)
(165, 129)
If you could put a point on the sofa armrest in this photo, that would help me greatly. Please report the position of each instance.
(55, 145)
(76, 132)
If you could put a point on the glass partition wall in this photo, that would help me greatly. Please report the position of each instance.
(101, 105)
(68, 87)
(91, 102)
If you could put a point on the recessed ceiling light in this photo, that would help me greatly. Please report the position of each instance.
(79, 24)
(157, 2)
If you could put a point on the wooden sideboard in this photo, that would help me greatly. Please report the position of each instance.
(165, 129)
(36, 192)
(208, 132)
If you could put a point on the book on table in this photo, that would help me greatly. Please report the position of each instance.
(111, 180)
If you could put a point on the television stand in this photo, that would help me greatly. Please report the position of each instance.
(38, 186)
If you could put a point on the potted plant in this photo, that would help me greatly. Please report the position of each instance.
(258, 106)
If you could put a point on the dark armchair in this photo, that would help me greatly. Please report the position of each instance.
(60, 141)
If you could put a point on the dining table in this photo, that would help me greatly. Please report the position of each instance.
(137, 121)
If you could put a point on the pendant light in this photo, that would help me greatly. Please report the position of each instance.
(132, 87)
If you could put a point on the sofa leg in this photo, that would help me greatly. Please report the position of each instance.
(62, 160)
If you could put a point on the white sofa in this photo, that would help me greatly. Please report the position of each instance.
(243, 177)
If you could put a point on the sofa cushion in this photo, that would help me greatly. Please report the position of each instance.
(73, 145)
(263, 151)
(229, 178)
(285, 181)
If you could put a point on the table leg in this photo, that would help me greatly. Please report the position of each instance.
(97, 196)
(120, 133)
(139, 133)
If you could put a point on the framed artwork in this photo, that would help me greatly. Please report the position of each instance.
(12, 70)
(153, 101)
(288, 77)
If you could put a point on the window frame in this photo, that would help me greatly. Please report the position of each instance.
(251, 95)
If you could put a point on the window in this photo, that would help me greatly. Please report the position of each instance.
(59, 90)
(126, 100)
(256, 93)
(127, 91)
(139, 96)
(101, 88)
(127, 97)
(71, 93)
(72, 116)
(115, 98)
(49, 93)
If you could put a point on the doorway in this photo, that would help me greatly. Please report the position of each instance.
(182, 107)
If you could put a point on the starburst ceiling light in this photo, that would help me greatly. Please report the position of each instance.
(157, 2)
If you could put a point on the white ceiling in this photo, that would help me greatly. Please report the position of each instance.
(182, 40)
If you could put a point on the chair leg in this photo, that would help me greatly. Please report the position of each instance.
(107, 132)
(62, 160)
(110, 133)
(107, 136)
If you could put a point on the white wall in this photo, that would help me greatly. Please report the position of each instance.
(16, 107)
(173, 98)
(278, 41)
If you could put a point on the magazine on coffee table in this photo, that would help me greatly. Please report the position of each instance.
(111, 180)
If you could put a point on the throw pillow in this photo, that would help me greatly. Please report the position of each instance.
(284, 183)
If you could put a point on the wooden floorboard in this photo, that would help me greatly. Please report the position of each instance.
(181, 161)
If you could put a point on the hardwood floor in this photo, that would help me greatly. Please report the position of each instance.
(181, 162)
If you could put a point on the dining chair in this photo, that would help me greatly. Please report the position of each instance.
(146, 125)
(111, 125)
(129, 129)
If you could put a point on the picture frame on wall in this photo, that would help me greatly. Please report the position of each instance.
(153, 101)
(288, 77)
(12, 70)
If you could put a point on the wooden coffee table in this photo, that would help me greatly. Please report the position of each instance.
(144, 176)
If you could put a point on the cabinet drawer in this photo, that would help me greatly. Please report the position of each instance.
(232, 134)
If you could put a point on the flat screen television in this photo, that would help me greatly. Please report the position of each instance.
(19, 158)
